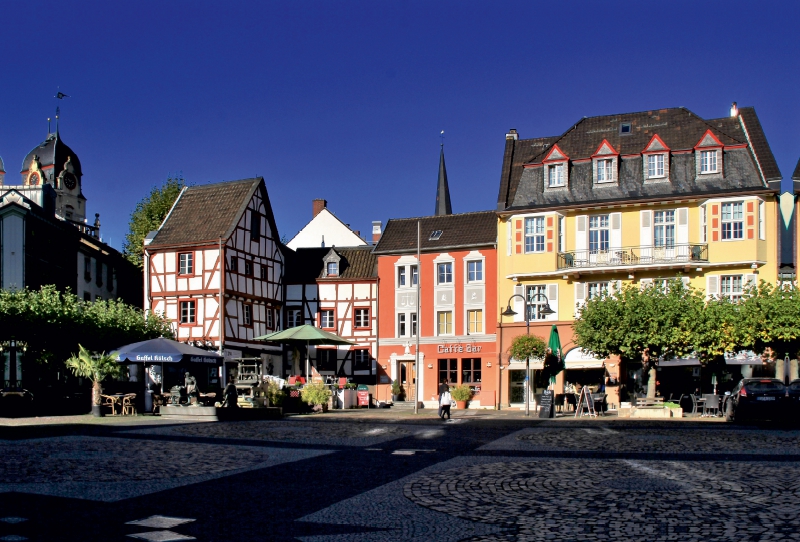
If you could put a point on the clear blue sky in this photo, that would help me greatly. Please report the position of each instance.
(345, 100)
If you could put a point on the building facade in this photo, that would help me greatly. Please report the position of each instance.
(455, 280)
(635, 198)
(215, 268)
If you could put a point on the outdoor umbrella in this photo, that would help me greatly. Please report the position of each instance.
(163, 350)
(554, 344)
(305, 334)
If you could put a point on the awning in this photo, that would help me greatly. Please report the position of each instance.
(578, 358)
(747, 357)
(517, 364)
(679, 362)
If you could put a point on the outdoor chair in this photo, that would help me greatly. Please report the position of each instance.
(711, 404)
(110, 402)
(129, 405)
(696, 401)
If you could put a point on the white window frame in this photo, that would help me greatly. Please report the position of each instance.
(477, 321)
(247, 314)
(605, 170)
(535, 235)
(361, 317)
(188, 312)
(414, 275)
(709, 158)
(448, 323)
(401, 325)
(186, 265)
(598, 245)
(444, 270)
(293, 316)
(412, 328)
(732, 221)
(562, 234)
(595, 289)
(555, 175)
(474, 271)
(703, 224)
(323, 318)
(535, 305)
(655, 166)
(401, 276)
(664, 227)
(734, 284)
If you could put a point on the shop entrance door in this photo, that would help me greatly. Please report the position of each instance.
(408, 377)
(516, 386)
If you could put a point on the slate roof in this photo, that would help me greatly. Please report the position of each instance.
(209, 212)
(305, 265)
(678, 128)
(53, 152)
(458, 231)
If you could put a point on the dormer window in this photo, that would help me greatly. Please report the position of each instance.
(555, 175)
(333, 268)
(604, 163)
(605, 171)
(708, 161)
(708, 156)
(655, 166)
(655, 159)
(332, 264)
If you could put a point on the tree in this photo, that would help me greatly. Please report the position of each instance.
(768, 319)
(95, 367)
(640, 324)
(148, 216)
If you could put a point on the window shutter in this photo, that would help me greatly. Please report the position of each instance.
(712, 285)
(550, 232)
(519, 304)
(615, 235)
(581, 237)
(750, 219)
(518, 240)
(715, 222)
(646, 234)
(580, 296)
(682, 228)
(645, 283)
(686, 282)
(750, 280)
(552, 296)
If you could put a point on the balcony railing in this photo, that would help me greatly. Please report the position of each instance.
(633, 256)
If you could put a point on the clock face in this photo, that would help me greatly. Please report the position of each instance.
(33, 179)
(69, 181)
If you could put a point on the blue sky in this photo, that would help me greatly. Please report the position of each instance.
(345, 100)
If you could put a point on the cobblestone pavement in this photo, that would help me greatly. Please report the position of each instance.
(382, 476)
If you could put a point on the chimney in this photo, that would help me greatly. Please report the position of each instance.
(512, 134)
(734, 110)
(376, 231)
(318, 205)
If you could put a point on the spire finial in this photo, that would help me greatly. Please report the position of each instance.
(441, 137)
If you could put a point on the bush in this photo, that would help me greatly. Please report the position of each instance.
(275, 394)
(316, 393)
(461, 393)
(396, 389)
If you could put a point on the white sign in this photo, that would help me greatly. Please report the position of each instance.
(457, 348)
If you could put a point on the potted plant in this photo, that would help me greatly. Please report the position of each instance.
(461, 394)
(317, 395)
(95, 368)
(397, 391)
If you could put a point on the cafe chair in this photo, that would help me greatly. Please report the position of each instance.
(110, 402)
(711, 404)
(129, 405)
(696, 401)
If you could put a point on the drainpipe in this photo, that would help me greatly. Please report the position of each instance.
(224, 376)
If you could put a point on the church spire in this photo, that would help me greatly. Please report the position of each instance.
(443, 206)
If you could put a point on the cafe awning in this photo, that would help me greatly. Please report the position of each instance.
(578, 358)
(163, 350)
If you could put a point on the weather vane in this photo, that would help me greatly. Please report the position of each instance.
(441, 137)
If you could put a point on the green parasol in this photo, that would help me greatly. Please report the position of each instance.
(307, 335)
(554, 344)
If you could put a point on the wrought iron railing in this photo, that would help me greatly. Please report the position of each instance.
(633, 256)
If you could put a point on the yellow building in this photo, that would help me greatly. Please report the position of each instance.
(631, 198)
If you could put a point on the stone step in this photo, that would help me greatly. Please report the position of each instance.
(403, 405)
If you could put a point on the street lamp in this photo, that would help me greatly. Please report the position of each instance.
(543, 311)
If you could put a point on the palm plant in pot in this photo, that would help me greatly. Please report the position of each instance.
(461, 394)
(96, 368)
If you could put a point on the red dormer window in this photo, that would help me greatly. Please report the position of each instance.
(605, 163)
(556, 168)
(655, 158)
(708, 155)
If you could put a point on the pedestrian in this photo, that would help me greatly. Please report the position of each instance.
(230, 397)
(445, 399)
(443, 387)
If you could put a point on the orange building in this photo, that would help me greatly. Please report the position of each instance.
(455, 280)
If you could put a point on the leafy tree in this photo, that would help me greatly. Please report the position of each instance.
(148, 216)
(768, 319)
(95, 367)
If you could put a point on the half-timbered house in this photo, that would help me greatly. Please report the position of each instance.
(335, 289)
(213, 231)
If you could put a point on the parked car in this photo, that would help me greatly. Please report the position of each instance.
(758, 398)
(793, 395)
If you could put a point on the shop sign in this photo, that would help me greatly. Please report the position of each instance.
(458, 348)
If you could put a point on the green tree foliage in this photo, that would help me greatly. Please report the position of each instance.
(95, 367)
(315, 393)
(53, 323)
(148, 216)
(527, 346)
(768, 319)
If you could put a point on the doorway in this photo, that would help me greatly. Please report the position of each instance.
(408, 377)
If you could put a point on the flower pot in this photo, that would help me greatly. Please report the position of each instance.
(97, 411)
(461, 404)
(395, 398)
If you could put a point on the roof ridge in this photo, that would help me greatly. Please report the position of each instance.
(443, 216)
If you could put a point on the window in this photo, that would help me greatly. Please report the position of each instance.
(248, 267)
(247, 314)
(187, 312)
(625, 128)
(413, 324)
(655, 165)
(731, 286)
(445, 273)
(98, 272)
(401, 325)
(435, 235)
(234, 264)
(703, 229)
(401, 276)
(664, 229)
(269, 312)
(475, 321)
(475, 271)
(326, 359)
(555, 175)
(470, 370)
(444, 320)
(561, 234)
(326, 319)
(536, 301)
(534, 234)
(598, 233)
(448, 370)
(186, 263)
(596, 289)
(708, 161)
(733, 220)
(263, 272)
(255, 226)
(414, 275)
(361, 360)
(293, 317)
(605, 171)
(362, 317)
(332, 269)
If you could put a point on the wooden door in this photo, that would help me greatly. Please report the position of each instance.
(408, 376)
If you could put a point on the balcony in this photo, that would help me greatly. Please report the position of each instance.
(628, 257)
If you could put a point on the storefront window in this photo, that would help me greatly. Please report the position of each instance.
(470, 370)
(448, 370)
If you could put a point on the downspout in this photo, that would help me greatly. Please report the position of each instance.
(224, 375)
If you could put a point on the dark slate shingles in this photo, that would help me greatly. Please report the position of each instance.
(458, 230)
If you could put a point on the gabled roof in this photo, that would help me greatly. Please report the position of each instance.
(678, 128)
(306, 265)
(325, 223)
(796, 174)
(458, 231)
(209, 212)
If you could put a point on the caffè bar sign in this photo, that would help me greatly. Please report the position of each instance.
(458, 348)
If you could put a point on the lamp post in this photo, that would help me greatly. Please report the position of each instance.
(543, 311)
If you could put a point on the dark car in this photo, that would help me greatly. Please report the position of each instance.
(758, 398)
(793, 395)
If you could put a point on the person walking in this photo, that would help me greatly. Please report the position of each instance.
(445, 399)
(443, 387)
